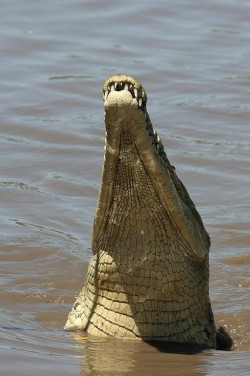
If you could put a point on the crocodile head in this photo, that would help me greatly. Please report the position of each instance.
(129, 130)
(148, 277)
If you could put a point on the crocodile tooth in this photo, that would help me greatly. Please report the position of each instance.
(109, 88)
(106, 95)
(140, 102)
(126, 87)
(135, 92)
(112, 87)
(115, 84)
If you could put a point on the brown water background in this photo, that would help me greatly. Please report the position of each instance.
(193, 58)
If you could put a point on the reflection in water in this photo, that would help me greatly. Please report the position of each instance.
(109, 356)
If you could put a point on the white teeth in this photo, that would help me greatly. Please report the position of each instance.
(106, 95)
(127, 86)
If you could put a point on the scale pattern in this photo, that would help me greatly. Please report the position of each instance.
(140, 281)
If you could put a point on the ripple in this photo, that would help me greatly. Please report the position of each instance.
(73, 77)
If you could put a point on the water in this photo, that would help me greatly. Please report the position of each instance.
(193, 60)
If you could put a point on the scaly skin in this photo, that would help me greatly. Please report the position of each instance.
(148, 277)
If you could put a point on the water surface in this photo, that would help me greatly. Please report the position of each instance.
(193, 60)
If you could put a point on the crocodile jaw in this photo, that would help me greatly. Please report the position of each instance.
(125, 111)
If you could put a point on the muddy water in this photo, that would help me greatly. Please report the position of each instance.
(193, 60)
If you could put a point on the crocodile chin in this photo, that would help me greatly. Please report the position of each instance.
(148, 277)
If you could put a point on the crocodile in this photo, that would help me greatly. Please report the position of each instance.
(148, 277)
